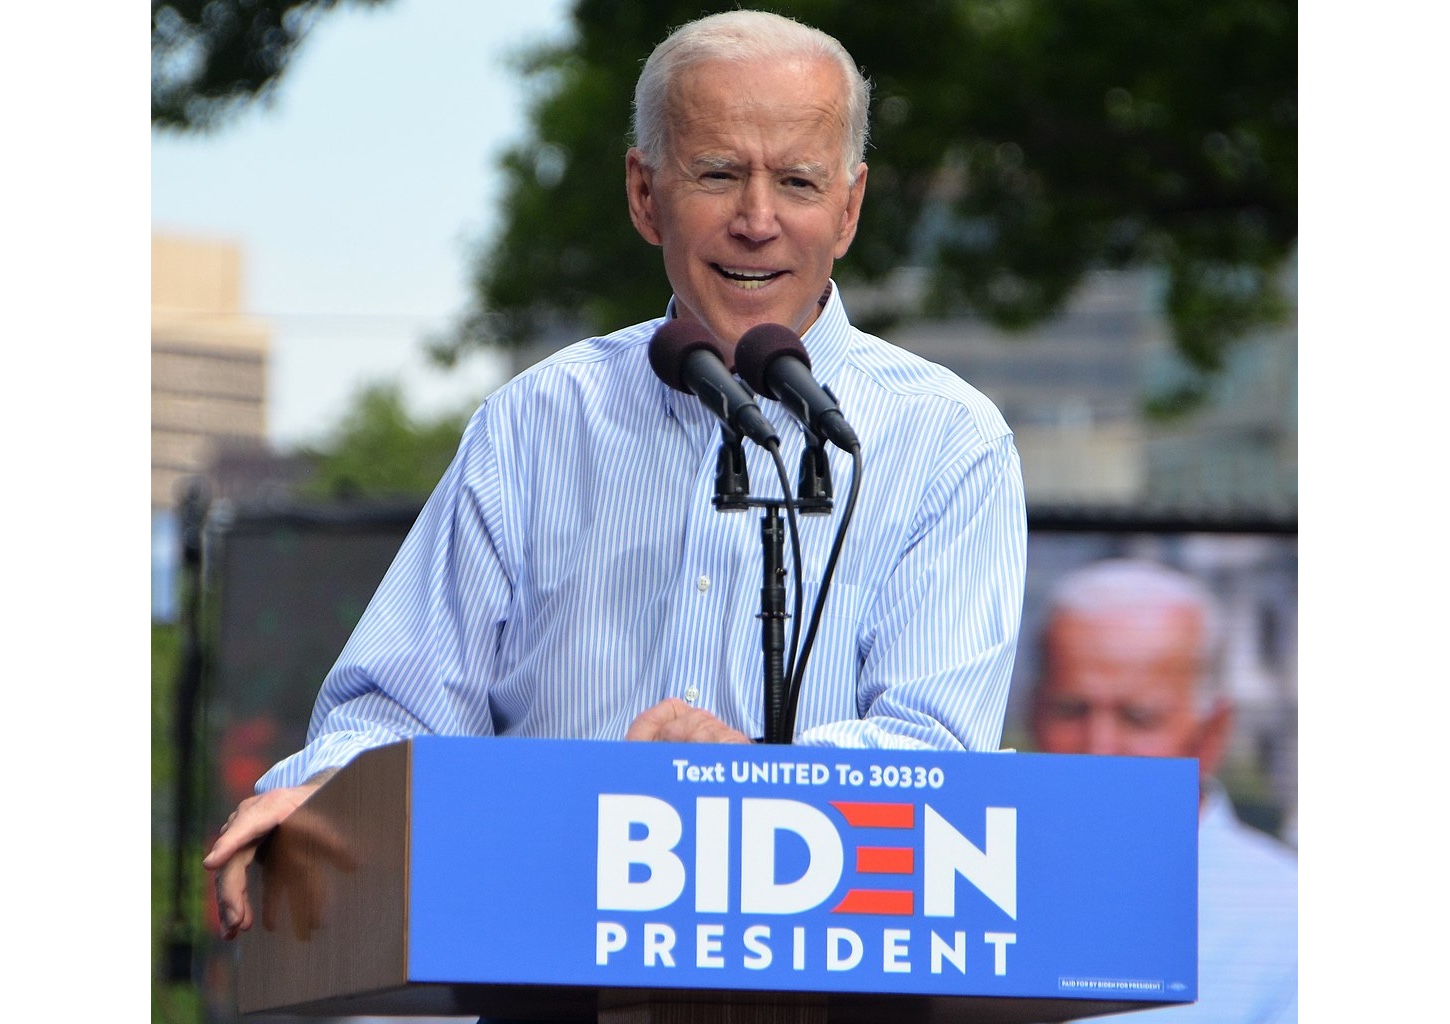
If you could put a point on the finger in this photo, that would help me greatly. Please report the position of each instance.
(254, 818)
(243, 826)
(652, 720)
(699, 726)
(706, 732)
(234, 910)
(642, 729)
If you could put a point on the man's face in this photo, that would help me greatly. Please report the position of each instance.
(751, 204)
(1123, 682)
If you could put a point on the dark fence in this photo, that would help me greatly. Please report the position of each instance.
(284, 586)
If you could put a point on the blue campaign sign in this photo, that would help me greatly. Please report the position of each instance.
(802, 869)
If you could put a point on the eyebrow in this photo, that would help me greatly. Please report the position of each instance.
(807, 169)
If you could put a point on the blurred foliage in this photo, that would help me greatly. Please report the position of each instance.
(379, 451)
(1016, 146)
(165, 664)
(171, 1002)
(210, 59)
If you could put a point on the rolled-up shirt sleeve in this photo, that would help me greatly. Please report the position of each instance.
(419, 660)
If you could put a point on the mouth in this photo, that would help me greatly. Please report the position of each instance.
(747, 279)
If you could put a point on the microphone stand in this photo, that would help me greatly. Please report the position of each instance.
(813, 484)
(732, 494)
(732, 479)
(772, 620)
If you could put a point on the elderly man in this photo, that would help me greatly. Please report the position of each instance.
(570, 577)
(1129, 651)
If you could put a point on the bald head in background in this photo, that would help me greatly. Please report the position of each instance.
(1129, 666)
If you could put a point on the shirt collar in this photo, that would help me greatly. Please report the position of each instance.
(827, 339)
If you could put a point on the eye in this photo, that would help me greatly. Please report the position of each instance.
(1141, 718)
(1068, 711)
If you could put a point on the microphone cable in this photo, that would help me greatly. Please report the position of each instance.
(847, 513)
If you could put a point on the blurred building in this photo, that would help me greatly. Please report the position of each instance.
(208, 382)
(208, 362)
(1073, 390)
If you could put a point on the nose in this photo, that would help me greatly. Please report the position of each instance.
(755, 218)
(1104, 734)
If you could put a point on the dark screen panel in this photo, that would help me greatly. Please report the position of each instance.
(288, 591)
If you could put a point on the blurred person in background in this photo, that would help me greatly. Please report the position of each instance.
(1130, 667)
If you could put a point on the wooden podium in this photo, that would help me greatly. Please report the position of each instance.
(673, 884)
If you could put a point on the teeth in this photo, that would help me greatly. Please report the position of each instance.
(748, 279)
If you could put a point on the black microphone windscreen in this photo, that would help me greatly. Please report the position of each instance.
(670, 346)
(762, 345)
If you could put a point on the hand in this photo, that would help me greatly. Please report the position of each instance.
(674, 721)
(236, 847)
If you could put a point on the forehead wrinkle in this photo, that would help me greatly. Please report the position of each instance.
(751, 120)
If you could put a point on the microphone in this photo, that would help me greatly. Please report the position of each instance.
(686, 357)
(773, 361)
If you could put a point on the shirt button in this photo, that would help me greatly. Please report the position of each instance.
(692, 694)
(702, 584)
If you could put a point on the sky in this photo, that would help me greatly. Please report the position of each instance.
(357, 196)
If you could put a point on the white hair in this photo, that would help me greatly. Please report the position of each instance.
(743, 37)
(1126, 584)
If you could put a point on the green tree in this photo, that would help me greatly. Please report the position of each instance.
(172, 1001)
(1017, 145)
(210, 59)
(379, 451)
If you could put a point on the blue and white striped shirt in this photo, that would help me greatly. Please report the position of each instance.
(570, 570)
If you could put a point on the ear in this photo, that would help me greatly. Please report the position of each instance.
(639, 189)
(851, 215)
(1213, 737)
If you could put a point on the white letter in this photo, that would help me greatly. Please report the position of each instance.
(798, 957)
(659, 939)
(834, 938)
(712, 854)
(759, 822)
(893, 950)
(1001, 940)
(608, 938)
(707, 945)
(617, 852)
(956, 952)
(948, 853)
(755, 938)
